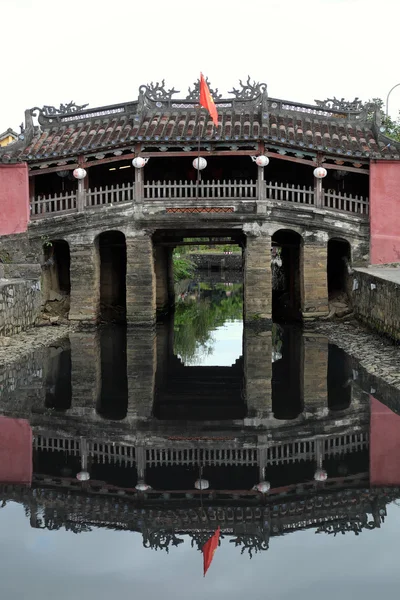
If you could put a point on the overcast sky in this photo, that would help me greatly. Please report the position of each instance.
(101, 52)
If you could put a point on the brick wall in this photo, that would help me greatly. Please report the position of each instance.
(376, 303)
(20, 302)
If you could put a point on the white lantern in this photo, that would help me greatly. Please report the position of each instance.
(262, 160)
(320, 172)
(201, 484)
(320, 475)
(139, 162)
(142, 486)
(263, 487)
(79, 173)
(83, 476)
(200, 163)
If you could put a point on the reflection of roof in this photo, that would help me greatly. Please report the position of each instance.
(333, 127)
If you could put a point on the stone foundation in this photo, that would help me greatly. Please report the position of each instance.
(376, 299)
(20, 302)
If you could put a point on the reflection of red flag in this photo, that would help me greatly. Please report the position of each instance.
(207, 101)
(209, 549)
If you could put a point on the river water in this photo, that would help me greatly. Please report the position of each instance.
(104, 435)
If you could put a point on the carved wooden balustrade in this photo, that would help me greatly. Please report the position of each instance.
(210, 193)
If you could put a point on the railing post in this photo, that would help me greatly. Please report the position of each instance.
(318, 192)
(81, 196)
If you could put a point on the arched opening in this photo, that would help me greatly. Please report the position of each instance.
(112, 402)
(287, 265)
(112, 250)
(339, 257)
(56, 283)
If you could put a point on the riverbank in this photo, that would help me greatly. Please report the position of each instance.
(376, 353)
(15, 347)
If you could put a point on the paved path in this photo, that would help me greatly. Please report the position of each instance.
(387, 273)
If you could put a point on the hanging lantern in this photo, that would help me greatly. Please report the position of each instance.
(142, 486)
(139, 162)
(200, 163)
(83, 476)
(320, 475)
(263, 487)
(80, 173)
(320, 172)
(262, 160)
(201, 484)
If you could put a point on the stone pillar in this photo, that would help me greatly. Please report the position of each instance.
(257, 279)
(85, 372)
(140, 281)
(142, 363)
(85, 282)
(258, 373)
(164, 277)
(315, 279)
(315, 365)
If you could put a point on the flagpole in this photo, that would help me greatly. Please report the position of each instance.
(198, 152)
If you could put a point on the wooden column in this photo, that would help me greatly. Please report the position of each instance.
(258, 373)
(315, 354)
(257, 279)
(140, 281)
(315, 279)
(85, 282)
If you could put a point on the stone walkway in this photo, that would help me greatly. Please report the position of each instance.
(15, 347)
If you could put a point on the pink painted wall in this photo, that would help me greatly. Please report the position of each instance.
(15, 451)
(14, 198)
(384, 448)
(384, 201)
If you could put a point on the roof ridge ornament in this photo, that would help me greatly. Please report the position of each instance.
(157, 91)
(65, 109)
(249, 91)
(343, 105)
(194, 94)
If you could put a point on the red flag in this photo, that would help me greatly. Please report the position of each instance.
(207, 101)
(209, 549)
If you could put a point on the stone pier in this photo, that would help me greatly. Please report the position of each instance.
(140, 281)
(315, 282)
(258, 373)
(315, 365)
(257, 279)
(85, 282)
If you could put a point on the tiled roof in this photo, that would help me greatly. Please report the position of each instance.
(295, 127)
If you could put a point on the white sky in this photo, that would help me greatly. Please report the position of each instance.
(99, 52)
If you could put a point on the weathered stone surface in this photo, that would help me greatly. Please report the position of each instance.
(258, 373)
(376, 300)
(140, 281)
(315, 360)
(85, 282)
(315, 284)
(257, 279)
(19, 305)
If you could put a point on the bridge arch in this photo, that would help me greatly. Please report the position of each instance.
(338, 267)
(287, 274)
(111, 248)
(56, 282)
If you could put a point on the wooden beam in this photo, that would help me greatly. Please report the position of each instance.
(344, 168)
(204, 153)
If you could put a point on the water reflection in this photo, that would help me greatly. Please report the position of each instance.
(124, 424)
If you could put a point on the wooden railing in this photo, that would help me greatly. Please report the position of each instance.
(43, 206)
(204, 190)
(175, 192)
(115, 194)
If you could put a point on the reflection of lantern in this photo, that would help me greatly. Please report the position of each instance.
(139, 162)
(200, 163)
(79, 173)
(262, 160)
(83, 476)
(263, 487)
(201, 484)
(142, 486)
(320, 475)
(320, 172)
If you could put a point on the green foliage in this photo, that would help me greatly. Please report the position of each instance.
(196, 319)
(392, 128)
(184, 268)
(46, 242)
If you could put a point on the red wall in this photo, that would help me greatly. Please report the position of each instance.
(385, 212)
(14, 199)
(384, 448)
(15, 451)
